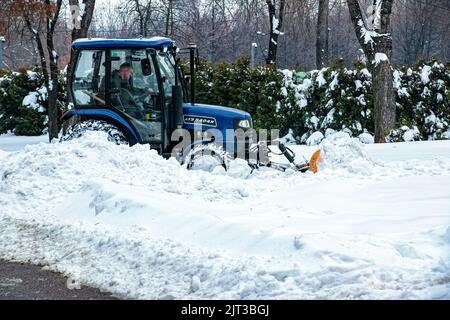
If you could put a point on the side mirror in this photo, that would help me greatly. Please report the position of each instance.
(146, 67)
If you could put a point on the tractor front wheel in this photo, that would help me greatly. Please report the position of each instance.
(79, 129)
(207, 157)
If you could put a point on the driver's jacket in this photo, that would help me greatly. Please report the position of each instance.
(123, 99)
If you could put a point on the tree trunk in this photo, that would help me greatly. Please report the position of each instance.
(53, 114)
(169, 18)
(276, 22)
(384, 100)
(378, 49)
(322, 34)
(52, 88)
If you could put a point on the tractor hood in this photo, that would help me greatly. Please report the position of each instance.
(212, 116)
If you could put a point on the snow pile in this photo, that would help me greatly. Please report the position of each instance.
(340, 151)
(342, 155)
(366, 138)
(130, 222)
(238, 168)
(329, 132)
(93, 157)
(315, 138)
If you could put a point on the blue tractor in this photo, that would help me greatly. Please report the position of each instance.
(135, 90)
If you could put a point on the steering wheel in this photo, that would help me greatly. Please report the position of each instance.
(143, 97)
(127, 94)
(147, 94)
(130, 106)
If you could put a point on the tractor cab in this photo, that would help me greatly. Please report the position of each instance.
(138, 86)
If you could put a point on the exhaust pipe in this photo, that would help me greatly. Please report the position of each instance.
(177, 95)
(192, 48)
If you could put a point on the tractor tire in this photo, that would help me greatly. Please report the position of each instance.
(78, 129)
(207, 157)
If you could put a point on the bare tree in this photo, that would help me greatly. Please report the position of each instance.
(216, 20)
(18, 49)
(300, 25)
(142, 11)
(276, 23)
(422, 29)
(225, 29)
(322, 34)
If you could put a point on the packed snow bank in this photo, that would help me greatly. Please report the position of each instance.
(127, 221)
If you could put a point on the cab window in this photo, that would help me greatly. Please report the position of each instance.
(90, 69)
(134, 85)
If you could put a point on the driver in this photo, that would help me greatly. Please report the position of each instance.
(123, 79)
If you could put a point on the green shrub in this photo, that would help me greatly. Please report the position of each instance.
(423, 98)
(23, 101)
(332, 98)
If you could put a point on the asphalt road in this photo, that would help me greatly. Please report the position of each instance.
(28, 282)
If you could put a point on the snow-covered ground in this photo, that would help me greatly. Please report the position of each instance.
(373, 223)
(10, 142)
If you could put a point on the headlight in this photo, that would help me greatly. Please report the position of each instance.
(244, 124)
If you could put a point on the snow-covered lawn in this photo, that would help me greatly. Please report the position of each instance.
(373, 223)
(9, 142)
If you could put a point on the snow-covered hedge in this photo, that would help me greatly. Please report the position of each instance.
(331, 99)
(258, 91)
(320, 101)
(23, 102)
(423, 101)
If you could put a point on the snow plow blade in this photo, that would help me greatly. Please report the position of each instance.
(313, 161)
(310, 165)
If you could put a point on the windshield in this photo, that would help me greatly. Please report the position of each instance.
(134, 88)
(133, 81)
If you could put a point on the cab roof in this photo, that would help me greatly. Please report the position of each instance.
(151, 42)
